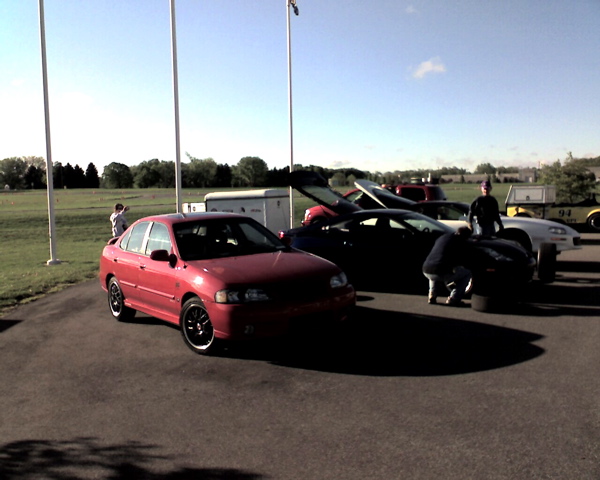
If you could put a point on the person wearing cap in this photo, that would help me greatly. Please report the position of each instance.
(485, 211)
(118, 220)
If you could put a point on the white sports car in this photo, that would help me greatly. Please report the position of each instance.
(529, 232)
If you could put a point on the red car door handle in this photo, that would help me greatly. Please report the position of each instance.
(142, 267)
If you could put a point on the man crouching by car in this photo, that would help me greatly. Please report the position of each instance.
(444, 267)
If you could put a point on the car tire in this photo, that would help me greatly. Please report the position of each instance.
(116, 302)
(196, 328)
(594, 222)
(482, 303)
(546, 263)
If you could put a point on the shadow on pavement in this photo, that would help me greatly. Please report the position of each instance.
(387, 343)
(6, 324)
(87, 458)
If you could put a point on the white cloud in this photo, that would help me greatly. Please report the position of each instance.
(431, 66)
(411, 9)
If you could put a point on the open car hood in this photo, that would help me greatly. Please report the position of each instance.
(383, 196)
(314, 186)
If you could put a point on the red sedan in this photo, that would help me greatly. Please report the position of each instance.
(219, 276)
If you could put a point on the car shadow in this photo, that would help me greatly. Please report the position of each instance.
(5, 324)
(89, 457)
(388, 343)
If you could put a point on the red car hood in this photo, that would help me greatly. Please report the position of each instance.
(265, 267)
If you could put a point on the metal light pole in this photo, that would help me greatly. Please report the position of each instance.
(49, 174)
(290, 3)
(176, 102)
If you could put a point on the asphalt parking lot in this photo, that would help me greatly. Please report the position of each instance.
(405, 390)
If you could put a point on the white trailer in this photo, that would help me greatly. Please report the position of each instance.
(270, 207)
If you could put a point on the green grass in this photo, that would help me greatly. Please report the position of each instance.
(82, 229)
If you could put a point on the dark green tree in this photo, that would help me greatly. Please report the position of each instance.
(35, 177)
(58, 175)
(117, 175)
(250, 172)
(573, 181)
(223, 176)
(147, 174)
(12, 173)
(485, 168)
(78, 180)
(91, 177)
(200, 173)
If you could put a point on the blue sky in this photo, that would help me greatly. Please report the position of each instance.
(379, 85)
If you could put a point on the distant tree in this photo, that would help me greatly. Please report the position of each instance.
(78, 180)
(505, 170)
(485, 168)
(223, 176)
(147, 174)
(38, 162)
(35, 177)
(339, 180)
(12, 173)
(58, 175)
(166, 168)
(250, 172)
(589, 162)
(69, 176)
(117, 175)
(91, 177)
(573, 180)
(200, 173)
(278, 177)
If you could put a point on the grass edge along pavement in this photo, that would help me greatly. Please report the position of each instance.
(82, 229)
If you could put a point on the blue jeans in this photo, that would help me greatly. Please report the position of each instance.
(456, 282)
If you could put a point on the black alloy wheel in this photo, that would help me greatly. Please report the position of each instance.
(116, 302)
(196, 328)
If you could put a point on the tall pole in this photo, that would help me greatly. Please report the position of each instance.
(290, 3)
(49, 176)
(176, 103)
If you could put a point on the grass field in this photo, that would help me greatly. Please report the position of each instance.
(82, 229)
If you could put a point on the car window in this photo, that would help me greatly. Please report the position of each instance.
(441, 212)
(135, 241)
(217, 238)
(158, 239)
(425, 224)
(354, 196)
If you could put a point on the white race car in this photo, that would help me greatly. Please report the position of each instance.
(529, 232)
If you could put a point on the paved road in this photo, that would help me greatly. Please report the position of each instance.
(406, 391)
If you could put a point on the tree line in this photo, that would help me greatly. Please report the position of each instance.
(20, 173)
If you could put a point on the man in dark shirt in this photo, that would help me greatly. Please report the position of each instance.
(445, 268)
(486, 211)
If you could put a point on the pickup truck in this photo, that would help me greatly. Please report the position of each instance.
(420, 192)
(539, 201)
(414, 192)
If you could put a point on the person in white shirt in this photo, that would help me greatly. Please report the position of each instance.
(118, 220)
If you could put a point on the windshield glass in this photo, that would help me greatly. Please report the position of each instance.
(425, 224)
(219, 238)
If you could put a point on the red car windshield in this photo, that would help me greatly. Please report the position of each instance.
(218, 238)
